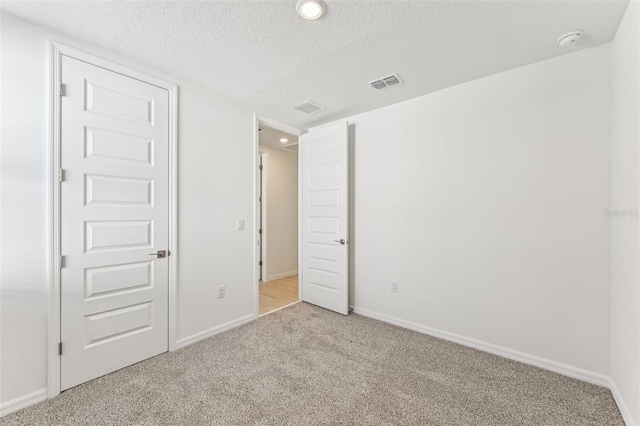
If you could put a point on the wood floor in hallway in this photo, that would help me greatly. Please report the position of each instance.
(278, 293)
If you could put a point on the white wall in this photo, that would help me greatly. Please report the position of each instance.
(281, 196)
(486, 202)
(215, 188)
(625, 292)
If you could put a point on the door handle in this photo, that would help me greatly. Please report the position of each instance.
(342, 241)
(160, 253)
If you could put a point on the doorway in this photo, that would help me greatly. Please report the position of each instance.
(277, 219)
(113, 206)
(322, 200)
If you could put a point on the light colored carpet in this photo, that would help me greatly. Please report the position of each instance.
(306, 366)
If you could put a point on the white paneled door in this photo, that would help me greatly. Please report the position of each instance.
(113, 221)
(325, 217)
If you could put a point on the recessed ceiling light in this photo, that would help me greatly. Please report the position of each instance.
(310, 9)
(284, 140)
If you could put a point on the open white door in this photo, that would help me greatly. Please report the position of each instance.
(325, 217)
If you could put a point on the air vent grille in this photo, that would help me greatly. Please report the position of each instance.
(384, 82)
(309, 107)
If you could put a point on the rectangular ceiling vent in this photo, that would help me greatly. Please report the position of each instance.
(309, 107)
(384, 82)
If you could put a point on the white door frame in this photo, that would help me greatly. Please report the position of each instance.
(56, 51)
(257, 120)
(264, 157)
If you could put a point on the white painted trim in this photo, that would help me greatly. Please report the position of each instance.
(265, 199)
(280, 126)
(22, 402)
(300, 220)
(546, 364)
(186, 341)
(173, 217)
(256, 215)
(57, 50)
(622, 406)
(257, 120)
(280, 308)
(111, 66)
(282, 275)
(53, 226)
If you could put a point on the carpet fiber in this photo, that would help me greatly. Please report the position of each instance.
(305, 365)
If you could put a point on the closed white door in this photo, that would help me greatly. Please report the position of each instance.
(113, 221)
(325, 217)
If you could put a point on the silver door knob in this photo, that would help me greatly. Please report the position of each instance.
(160, 253)
(342, 241)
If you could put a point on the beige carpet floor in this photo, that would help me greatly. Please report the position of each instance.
(307, 366)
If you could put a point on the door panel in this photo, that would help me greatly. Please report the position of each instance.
(114, 214)
(110, 280)
(325, 218)
(118, 190)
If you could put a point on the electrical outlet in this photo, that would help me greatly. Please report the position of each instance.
(394, 286)
(221, 291)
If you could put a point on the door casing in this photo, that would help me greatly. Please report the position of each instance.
(257, 120)
(56, 51)
(262, 212)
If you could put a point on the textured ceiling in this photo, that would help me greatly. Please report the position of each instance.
(262, 54)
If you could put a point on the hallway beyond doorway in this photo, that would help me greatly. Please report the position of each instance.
(278, 293)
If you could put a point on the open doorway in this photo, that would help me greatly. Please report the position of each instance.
(277, 219)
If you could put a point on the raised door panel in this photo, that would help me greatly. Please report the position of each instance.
(325, 217)
(114, 214)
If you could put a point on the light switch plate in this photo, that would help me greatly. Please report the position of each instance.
(240, 225)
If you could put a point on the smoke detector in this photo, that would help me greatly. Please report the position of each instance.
(569, 38)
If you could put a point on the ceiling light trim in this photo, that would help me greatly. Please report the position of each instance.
(310, 10)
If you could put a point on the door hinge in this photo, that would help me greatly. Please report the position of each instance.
(60, 262)
(60, 175)
(60, 348)
(261, 167)
(63, 90)
(259, 231)
(260, 264)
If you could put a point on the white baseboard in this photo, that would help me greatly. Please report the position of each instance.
(22, 402)
(622, 406)
(186, 341)
(547, 364)
(280, 308)
(281, 275)
(41, 395)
